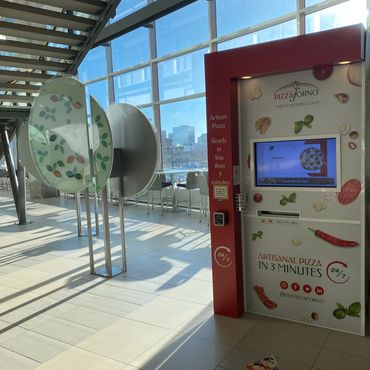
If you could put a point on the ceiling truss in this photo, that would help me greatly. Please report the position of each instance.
(43, 38)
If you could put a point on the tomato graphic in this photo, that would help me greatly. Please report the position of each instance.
(295, 287)
(284, 285)
(257, 197)
(77, 105)
(319, 290)
(80, 159)
(307, 288)
(57, 173)
(70, 159)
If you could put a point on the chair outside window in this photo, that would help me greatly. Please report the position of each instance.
(159, 184)
(190, 184)
(4, 178)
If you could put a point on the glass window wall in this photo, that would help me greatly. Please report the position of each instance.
(94, 65)
(349, 12)
(148, 111)
(235, 15)
(280, 31)
(312, 2)
(182, 76)
(99, 90)
(133, 87)
(183, 134)
(183, 29)
(131, 49)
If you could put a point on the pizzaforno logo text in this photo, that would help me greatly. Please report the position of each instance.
(296, 89)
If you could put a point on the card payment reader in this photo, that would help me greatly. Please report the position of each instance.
(219, 218)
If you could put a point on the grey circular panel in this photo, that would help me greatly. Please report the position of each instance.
(135, 136)
(24, 152)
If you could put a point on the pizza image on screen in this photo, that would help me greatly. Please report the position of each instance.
(311, 159)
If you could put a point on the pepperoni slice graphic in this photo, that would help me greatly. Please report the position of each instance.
(349, 192)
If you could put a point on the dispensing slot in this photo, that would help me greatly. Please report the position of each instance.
(278, 214)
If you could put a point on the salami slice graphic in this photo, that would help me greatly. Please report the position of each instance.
(264, 299)
(349, 192)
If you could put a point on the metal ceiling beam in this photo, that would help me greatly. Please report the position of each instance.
(85, 6)
(40, 34)
(141, 17)
(7, 113)
(26, 59)
(36, 49)
(108, 12)
(28, 63)
(43, 16)
(27, 88)
(16, 98)
(9, 75)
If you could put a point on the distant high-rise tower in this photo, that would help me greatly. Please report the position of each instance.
(184, 135)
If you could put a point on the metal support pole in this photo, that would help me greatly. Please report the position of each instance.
(89, 232)
(108, 270)
(301, 18)
(10, 165)
(78, 210)
(79, 215)
(107, 254)
(122, 225)
(96, 214)
(22, 215)
(212, 25)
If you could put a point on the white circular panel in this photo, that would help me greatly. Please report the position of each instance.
(58, 135)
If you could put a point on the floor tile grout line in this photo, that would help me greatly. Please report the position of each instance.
(98, 354)
(278, 337)
(19, 354)
(253, 326)
(234, 348)
(85, 325)
(347, 354)
(289, 339)
(157, 295)
(191, 335)
(322, 347)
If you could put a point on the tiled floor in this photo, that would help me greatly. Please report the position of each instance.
(55, 315)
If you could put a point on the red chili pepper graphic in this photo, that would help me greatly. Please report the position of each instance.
(262, 296)
(333, 240)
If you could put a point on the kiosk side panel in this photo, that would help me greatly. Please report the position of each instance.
(222, 121)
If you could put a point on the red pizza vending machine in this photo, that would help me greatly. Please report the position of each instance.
(286, 151)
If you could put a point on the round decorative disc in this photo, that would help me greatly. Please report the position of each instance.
(135, 136)
(101, 144)
(58, 135)
(24, 152)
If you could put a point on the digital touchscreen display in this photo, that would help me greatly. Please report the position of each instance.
(296, 163)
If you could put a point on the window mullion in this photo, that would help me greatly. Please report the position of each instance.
(155, 84)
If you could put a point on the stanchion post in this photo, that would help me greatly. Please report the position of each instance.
(122, 225)
(89, 231)
(78, 210)
(107, 252)
(96, 214)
